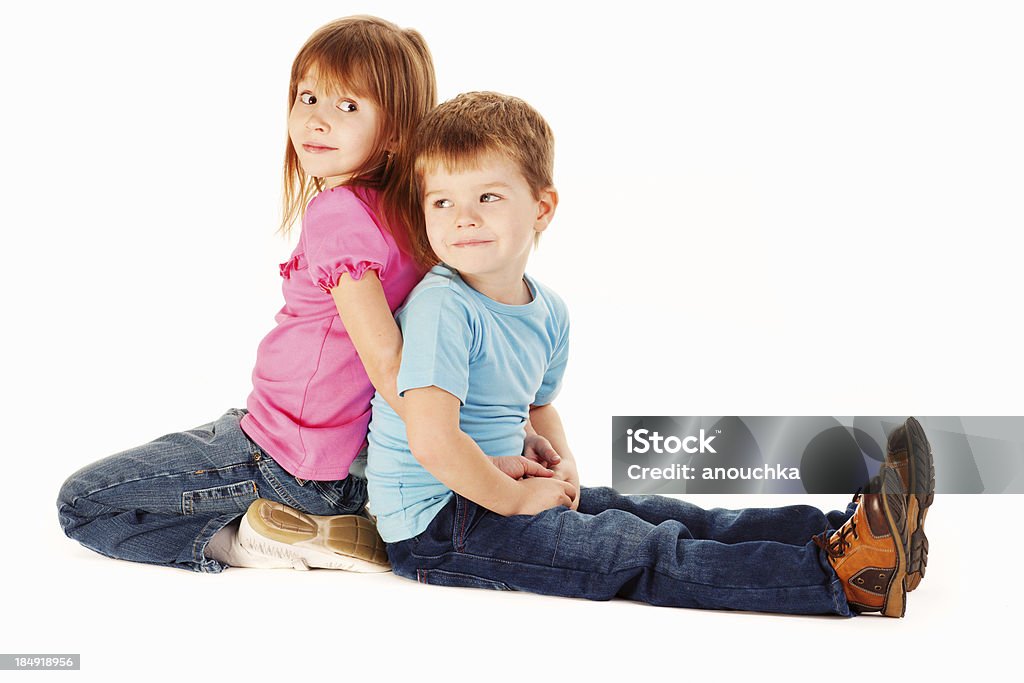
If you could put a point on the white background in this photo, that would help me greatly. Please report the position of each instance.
(766, 208)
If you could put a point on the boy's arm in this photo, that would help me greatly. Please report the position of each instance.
(547, 423)
(368, 320)
(451, 455)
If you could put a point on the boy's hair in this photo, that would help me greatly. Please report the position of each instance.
(372, 58)
(463, 130)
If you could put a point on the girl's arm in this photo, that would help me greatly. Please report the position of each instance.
(372, 328)
(451, 455)
(370, 324)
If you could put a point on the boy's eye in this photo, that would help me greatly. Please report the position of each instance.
(443, 204)
(347, 105)
(307, 98)
(489, 197)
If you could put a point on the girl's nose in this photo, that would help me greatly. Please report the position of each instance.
(317, 123)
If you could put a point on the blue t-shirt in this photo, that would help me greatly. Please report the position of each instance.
(497, 359)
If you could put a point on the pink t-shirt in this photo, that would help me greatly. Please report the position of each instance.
(310, 403)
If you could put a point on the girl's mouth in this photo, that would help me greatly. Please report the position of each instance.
(317, 149)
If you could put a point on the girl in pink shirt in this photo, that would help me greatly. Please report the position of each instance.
(358, 88)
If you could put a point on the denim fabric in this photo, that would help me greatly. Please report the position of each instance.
(649, 548)
(162, 502)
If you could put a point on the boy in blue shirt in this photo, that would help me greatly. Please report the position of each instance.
(485, 348)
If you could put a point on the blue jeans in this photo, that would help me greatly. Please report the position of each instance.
(653, 549)
(162, 502)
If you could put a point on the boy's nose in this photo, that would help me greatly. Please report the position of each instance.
(467, 219)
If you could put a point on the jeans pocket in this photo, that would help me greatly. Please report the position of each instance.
(467, 515)
(440, 577)
(219, 499)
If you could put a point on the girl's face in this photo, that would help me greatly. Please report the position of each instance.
(333, 132)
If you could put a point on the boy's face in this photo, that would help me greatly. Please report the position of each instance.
(482, 220)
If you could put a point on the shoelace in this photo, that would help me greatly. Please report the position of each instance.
(836, 548)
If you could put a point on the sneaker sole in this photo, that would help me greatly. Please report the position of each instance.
(894, 503)
(349, 542)
(920, 495)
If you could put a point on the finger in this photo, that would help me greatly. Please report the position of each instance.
(547, 451)
(535, 469)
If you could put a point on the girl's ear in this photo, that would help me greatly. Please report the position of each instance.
(546, 205)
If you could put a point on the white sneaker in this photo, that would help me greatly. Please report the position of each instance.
(348, 542)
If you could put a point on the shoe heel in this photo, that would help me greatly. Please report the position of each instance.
(355, 536)
(280, 522)
(922, 488)
(895, 505)
(918, 559)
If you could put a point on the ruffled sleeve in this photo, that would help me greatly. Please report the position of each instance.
(340, 236)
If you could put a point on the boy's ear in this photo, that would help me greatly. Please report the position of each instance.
(546, 205)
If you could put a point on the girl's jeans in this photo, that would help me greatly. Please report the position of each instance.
(654, 549)
(162, 502)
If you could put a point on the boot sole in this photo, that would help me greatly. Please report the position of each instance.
(894, 503)
(920, 495)
(341, 541)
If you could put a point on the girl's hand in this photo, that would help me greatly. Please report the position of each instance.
(539, 449)
(517, 467)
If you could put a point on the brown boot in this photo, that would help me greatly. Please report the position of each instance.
(869, 552)
(911, 454)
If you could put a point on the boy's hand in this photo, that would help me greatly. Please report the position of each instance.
(566, 471)
(517, 466)
(539, 449)
(538, 495)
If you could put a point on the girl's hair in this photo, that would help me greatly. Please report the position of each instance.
(372, 58)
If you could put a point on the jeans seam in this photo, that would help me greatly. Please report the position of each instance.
(201, 541)
(348, 504)
(160, 475)
(278, 487)
(191, 505)
(616, 571)
(461, 513)
(558, 539)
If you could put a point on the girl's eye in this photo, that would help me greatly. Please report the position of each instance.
(347, 105)
(443, 204)
(489, 197)
(307, 98)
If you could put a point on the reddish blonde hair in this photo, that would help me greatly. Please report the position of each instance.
(371, 58)
(457, 135)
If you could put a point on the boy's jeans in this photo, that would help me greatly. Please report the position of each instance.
(162, 502)
(654, 549)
